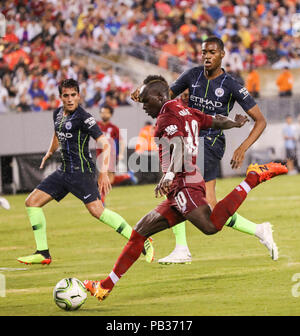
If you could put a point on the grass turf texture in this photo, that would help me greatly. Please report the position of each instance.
(231, 272)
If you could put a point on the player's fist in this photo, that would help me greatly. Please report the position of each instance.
(135, 95)
(240, 120)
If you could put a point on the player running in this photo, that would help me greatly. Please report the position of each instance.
(73, 127)
(176, 133)
(214, 92)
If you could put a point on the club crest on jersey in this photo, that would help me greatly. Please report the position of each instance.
(219, 92)
(68, 125)
(171, 129)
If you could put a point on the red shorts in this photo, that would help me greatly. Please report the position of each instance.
(185, 200)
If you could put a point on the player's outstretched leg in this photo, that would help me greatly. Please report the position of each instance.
(130, 253)
(119, 224)
(256, 174)
(150, 224)
(181, 253)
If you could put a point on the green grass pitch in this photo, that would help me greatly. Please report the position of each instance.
(231, 272)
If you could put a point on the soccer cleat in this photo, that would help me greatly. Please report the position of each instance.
(267, 171)
(94, 287)
(36, 258)
(4, 203)
(268, 241)
(177, 256)
(148, 250)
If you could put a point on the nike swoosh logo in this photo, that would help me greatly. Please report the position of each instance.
(193, 85)
(87, 196)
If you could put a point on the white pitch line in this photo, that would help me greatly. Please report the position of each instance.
(280, 198)
(11, 269)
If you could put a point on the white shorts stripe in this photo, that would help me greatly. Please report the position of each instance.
(189, 195)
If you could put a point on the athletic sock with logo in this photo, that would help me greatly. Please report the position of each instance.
(116, 222)
(38, 222)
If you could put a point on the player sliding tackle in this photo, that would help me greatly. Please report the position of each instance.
(177, 130)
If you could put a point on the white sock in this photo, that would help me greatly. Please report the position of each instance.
(114, 278)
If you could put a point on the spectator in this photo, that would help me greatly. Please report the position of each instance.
(36, 91)
(253, 83)
(4, 107)
(284, 83)
(290, 138)
(282, 63)
(23, 105)
(35, 106)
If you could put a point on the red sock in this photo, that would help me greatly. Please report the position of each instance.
(229, 205)
(128, 256)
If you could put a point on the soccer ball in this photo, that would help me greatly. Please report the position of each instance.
(69, 294)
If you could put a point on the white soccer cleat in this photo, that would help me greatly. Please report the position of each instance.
(267, 240)
(4, 203)
(180, 255)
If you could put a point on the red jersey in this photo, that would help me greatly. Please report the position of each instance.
(175, 120)
(112, 133)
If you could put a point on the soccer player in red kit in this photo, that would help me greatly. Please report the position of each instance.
(176, 133)
(112, 133)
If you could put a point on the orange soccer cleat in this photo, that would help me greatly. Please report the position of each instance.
(94, 287)
(267, 171)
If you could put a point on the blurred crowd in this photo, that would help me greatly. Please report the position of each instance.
(256, 34)
(33, 62)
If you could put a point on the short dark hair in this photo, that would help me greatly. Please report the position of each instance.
(106, 106)
(158, 80)
(68, 83)
(215, 39)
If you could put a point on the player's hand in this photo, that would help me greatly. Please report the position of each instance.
(240, 120)
(104, 185)
(164, 186)
(135, 95)
(44, 159)
(238, 158)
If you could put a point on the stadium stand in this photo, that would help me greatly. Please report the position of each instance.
(166, 33)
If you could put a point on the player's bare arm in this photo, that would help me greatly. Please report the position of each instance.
(104, 157)
(259, 126)
(52, 149)
(223, 122)
(177, 156)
